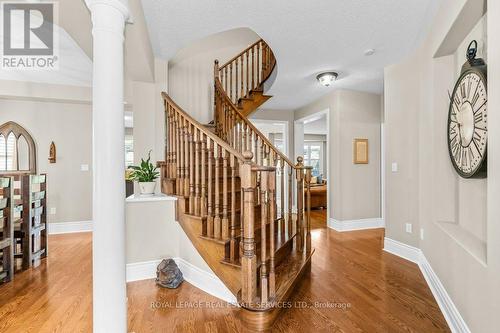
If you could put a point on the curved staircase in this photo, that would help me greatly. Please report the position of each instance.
(241, 201)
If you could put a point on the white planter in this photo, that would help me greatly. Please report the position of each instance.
(147, 188)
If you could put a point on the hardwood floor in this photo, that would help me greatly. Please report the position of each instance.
(354, 287)
(56, 296)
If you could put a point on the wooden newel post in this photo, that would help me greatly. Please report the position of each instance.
(300, 203)
(216, 68)
(248, 260)
(272, 214)
(264, 204)
(216, 97)
(308, 209)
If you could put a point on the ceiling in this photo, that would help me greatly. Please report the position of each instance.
(74, 65)
(73, 29)
(307, 37)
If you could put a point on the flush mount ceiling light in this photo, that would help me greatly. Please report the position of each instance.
(369, 52)
(327, 78)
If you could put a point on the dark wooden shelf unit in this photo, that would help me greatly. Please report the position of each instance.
(6, 230)
(34, 219)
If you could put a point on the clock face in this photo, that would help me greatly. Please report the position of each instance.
(467, 123)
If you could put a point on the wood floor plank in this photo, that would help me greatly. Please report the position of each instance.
(353, 286)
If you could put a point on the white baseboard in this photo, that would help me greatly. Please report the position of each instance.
(455, 321)
(55, 228)
(402, 250)
(352, 225)
(199, 278)
(451, 314)
(142, 270)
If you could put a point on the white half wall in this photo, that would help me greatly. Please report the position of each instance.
(153, 234)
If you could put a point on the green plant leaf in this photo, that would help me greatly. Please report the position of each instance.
(146, 171)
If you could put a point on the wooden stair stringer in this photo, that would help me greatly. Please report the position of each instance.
(211, 252)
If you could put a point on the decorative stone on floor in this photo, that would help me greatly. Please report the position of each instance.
(168, 274)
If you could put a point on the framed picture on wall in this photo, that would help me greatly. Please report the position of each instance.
(360, 153)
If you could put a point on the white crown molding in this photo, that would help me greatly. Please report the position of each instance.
(199, 278)
(352, 225)
(455, 321)
(55, 228)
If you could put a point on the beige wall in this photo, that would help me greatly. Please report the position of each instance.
(356, 190)
(401, 145)
(459, 217)
(70, 127)
(191, 71)
(146, 104)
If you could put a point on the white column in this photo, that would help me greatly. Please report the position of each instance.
(109, 284)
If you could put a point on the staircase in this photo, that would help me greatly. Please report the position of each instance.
(242, 202)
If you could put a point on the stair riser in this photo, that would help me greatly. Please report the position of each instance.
(208, 225)
(257, 239)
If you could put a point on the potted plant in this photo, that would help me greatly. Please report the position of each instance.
(145, 174)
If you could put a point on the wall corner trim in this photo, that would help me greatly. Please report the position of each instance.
(352, 225)
(56, 228)
(455, 321)
(206, 281)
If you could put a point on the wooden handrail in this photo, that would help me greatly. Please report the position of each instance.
(251, 126)
(241, 53)
(247, 71)
(199, 126)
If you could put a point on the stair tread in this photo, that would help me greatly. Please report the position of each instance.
(280, 242)
(288, 273)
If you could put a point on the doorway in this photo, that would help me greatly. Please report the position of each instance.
(312, 141)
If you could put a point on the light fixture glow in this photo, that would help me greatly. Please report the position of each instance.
(327, 78)
(369, 52)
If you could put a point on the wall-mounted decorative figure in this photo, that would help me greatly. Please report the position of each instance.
(360, 151)
(52, 152)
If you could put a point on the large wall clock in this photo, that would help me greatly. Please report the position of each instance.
(468, 118)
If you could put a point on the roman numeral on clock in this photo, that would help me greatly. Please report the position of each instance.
(469, 87)
(475, 99)
(478, 117)
(453, 130)
(471, 155)
(476, 138)
(479, 108)
(458, 154)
